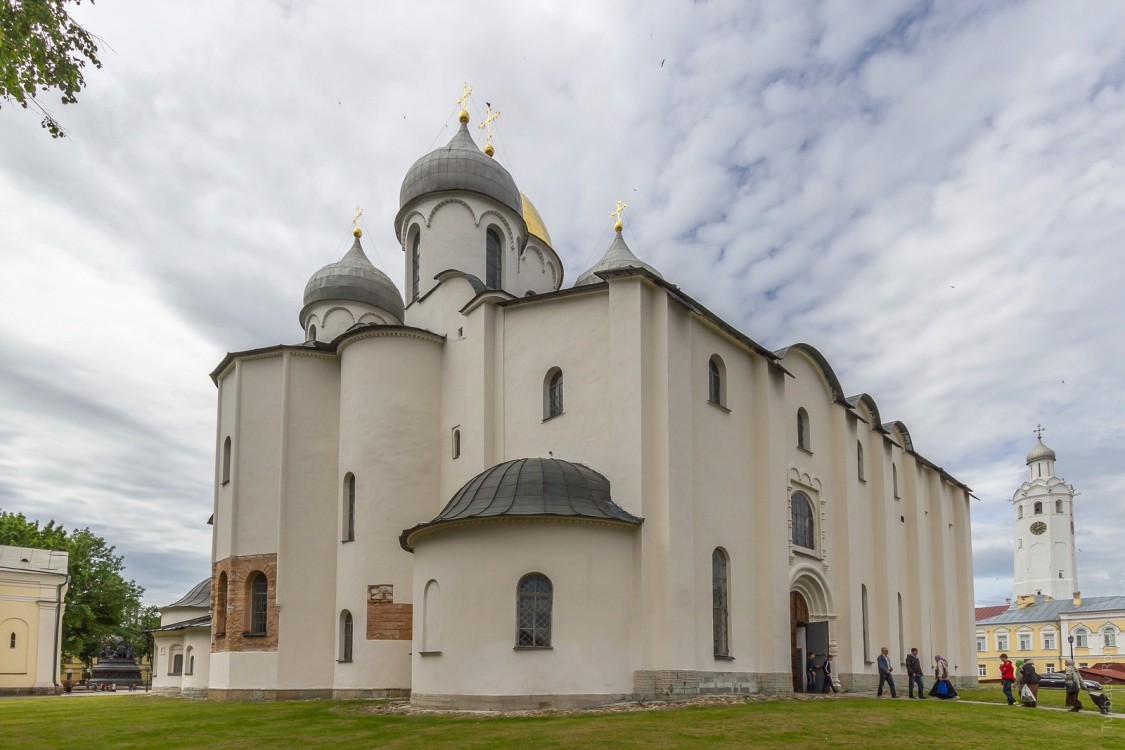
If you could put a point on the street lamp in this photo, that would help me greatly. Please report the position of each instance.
(1070, 640)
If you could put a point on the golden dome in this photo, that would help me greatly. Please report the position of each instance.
(535, 225)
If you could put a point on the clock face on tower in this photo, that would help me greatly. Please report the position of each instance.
(1038, 527)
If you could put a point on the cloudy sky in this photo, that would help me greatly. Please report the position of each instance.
(932, 194)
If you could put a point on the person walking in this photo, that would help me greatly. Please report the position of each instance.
(1029, 679)
(942, 688)
(828, 683)
(914, 673)
(1073, 683)
(885, 676)
(1007, 677)
(810, 673)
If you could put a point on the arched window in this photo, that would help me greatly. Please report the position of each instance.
(221, 605)
(177, 666)
(12, 641)
(258, 588)
(894, 480)
(866, 629)
(1038, 509)
(716, 381)
(803, 526)
(349, 508)
(191, 664)
(720, 602)
(189, 660)
(456, 442)
(804, 439)
(312, 333)
(901, 633)
(345, 636)
(533, 611)
(492, 259)
(553, 393)
(1109, 634)
(859, 459)
(415, 264)
(1019, 509)
(1058, 506)
(226, 460)
(431, 617)
(1080, 638)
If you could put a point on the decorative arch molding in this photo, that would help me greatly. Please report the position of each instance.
(507, 227)
(374, 319)
(872, 408)
(829, 380)
(445, 202)
(810, 481)
(334, 308)
(407, 225)
(891, 427)
(525, 256)
(808, 580)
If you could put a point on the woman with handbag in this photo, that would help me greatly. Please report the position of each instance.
(1029, 679)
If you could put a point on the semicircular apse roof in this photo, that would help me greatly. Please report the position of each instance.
(528, 487)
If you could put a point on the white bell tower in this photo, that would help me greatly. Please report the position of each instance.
(1045, 562)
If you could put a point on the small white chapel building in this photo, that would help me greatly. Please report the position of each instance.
(497, 492)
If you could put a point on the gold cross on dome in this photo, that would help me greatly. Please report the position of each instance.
(616, 214)
(486, 125)
(355, 222)
(1039, 431)
(466, 90)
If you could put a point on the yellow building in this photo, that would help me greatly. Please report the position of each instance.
(1040, 629)
(33, 585)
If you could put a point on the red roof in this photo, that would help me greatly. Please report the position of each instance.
(983, 613)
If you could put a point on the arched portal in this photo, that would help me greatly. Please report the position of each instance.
(809, 615)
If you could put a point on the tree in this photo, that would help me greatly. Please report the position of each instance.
(100, 603)
(43, 48)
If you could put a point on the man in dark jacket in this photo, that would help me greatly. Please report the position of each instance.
(810, 673)
(914, 673)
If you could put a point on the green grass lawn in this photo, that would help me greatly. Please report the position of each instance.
(149, 722)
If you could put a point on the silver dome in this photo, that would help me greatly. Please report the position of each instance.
(354, 278)
(618, 256)
(460, 165)
(1040, 452)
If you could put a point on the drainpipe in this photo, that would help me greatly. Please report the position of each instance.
(58, 629)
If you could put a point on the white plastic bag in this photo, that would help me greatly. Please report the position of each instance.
(1026, 695)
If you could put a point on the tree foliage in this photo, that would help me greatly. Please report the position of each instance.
(100, 603)
(42, 49)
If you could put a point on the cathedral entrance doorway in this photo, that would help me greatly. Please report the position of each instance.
(806, 638)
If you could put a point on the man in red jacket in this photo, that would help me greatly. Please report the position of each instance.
(1007, 677)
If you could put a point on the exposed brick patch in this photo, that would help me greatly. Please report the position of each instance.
(387, 621)
(238, 570)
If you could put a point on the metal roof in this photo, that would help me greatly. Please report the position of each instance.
(1052, 610)
(195, 622)
(31, 559)
(354, 278)
(460, 165)
(528, 487)
(199, 596)
(616, 257)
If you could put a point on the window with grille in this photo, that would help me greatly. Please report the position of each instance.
(345, 636)
(492, 259)
(259, 587)
(349, 508)
(803, 525)
(859, 459)
(533, 611)
(555, 394)
(415, 266)
(716, 381)
(803, 437)
(720, 602)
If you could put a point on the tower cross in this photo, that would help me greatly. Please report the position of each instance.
(466, 89)
(486, 125)
(355, 217)
(1039, 431)
(616, 214)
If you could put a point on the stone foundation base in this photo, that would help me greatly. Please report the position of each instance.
(684, 684)
(297, 694)
(49, 690)
(516, 702)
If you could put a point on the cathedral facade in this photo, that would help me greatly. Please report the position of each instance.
(497, 492)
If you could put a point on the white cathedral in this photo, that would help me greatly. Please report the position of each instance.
(503, 493)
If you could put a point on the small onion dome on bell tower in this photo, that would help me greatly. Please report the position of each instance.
(617, 257)
(459, 165)
(353, 278)
(1040, 453)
